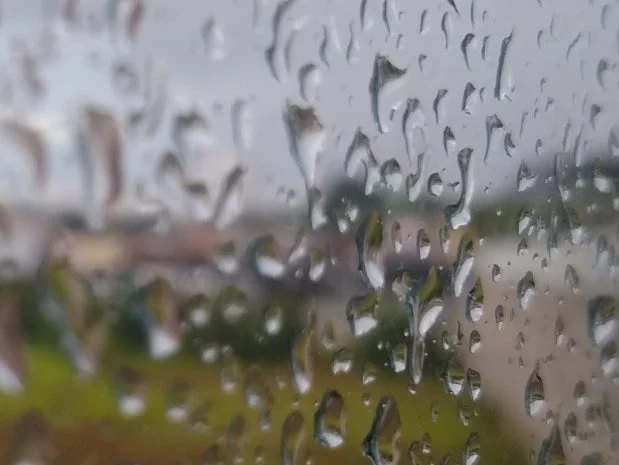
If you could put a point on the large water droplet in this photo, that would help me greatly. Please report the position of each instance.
(413, 129)
(534, 395)
(463, 268)
(386, 79)
(391, 174)
(475, 303)
(307, 136)
(459, 215)
(242, 124)
(329, 421)
(309, 80)
(132, 391)
(602, 317)
(292, 438)
(526, 290)
(268, 259)
(454, 377)
(214, 40)
(369, 249)
(361, 313)
(551, 451)
(301, 357)
(382, 443)
(423, 244)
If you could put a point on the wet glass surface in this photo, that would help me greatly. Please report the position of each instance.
(309, 231)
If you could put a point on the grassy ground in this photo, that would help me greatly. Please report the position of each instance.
(86, 427)
(66, 419)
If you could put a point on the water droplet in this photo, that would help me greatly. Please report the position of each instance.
(214, 40)
(370, 374)
(472, 450)
(292, 438)
(415, 453)
(360, 161)
(369, 249)
(551, 451)
(230, 202)
(342, 362)
(463, 268)
(413, 129)
(464, 413)
(273, 318)
(125, 17)
(492, 124)
(328, 338)
(382, 443)
(444, 238)
(301, 357)
(571, 278)
(225, 258)
(162, 319)
(446, 27)
(276, 51)
(232, 303)
(464, 47)
(361, 313)
(353, 49)
(132, 391)
(438, 104)
(525, 179)
(430, 315)
(508, 144)
(386, 79)
(459, 215)
(197, 310)
(414, 186)
(318, 215)
(602, 317)
(580, 393)
(496, 273)
(534, 395)
(256, 391)
(396, 237)
(391, 174)
(526, 290)
(423, 244)
(449, 141)
(609, 360)
(397, 357)
(310, 77)
(307, 137)
(499, 316)
(473, 380)
(570, 427)
(435, 185)
(454, 377)
(242, 124)
(268, 259)
(559, 331)
(474, 341)
(177, 400)
(469, 98)
(329, 421)
(210, 353)
(505, 43)
(230, 371)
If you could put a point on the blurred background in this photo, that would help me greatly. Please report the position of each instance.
(301, 232)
